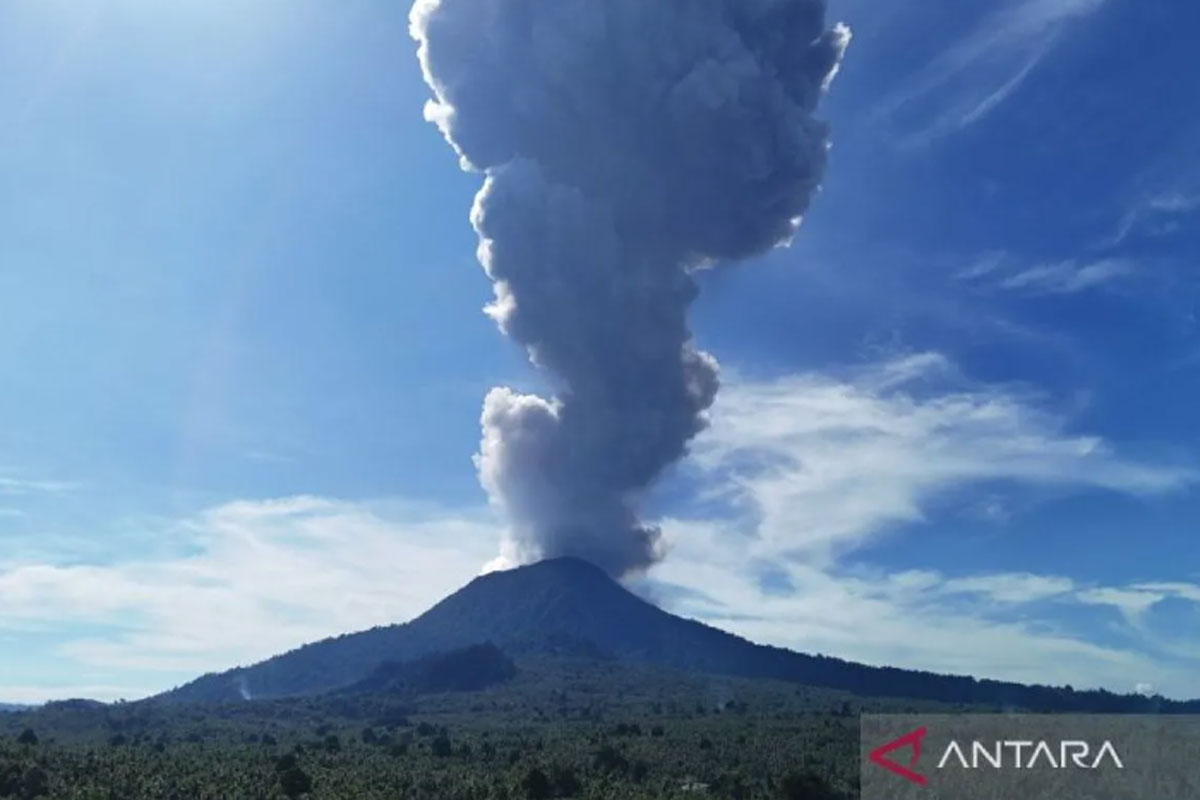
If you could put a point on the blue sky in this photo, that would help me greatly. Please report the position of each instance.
(243, 353)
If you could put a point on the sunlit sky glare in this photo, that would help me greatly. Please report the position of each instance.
(242, 352)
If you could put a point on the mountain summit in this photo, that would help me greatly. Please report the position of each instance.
(569, 604)
(548, 605)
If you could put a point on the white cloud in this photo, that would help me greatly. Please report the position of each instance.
(1013, 588)
(1182, 591)
(1156, 214)
(1132, 603)
(985, 265)
(1136, 604)
(823, 464)
(23, 486)
(1174, 202)
(909, 620)
(267, 576)
(984, 69)
(1069, 277)
(1135, 601)
(817, 466)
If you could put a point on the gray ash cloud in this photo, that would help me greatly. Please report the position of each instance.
(625, 144)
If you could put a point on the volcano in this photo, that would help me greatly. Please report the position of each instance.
(570, 607)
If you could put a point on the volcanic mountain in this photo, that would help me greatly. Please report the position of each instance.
(568, 606)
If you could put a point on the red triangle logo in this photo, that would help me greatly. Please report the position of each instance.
(911, 739)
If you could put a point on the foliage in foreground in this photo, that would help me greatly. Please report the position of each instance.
(562, 728)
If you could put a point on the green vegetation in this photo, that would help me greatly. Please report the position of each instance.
(562, 727)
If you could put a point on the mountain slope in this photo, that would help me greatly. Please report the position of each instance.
(545, 605)
(470, 669)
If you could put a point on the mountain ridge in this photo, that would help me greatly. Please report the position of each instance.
(572, 601)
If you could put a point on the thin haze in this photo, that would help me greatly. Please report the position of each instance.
(625, 144)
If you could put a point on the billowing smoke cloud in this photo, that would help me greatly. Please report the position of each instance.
(625, 143)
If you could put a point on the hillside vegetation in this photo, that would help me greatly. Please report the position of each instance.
(560, 726)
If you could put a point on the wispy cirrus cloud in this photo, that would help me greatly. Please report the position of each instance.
(980, 72)
(18, 492)
(1069, 277)
(1132, 602)
(1013, 587)
(1006, 272)
(1158, 215)
(1138, 606)
(10, 485)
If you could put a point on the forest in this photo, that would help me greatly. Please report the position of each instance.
(551, 727)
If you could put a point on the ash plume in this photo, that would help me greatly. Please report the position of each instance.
(625, 145)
